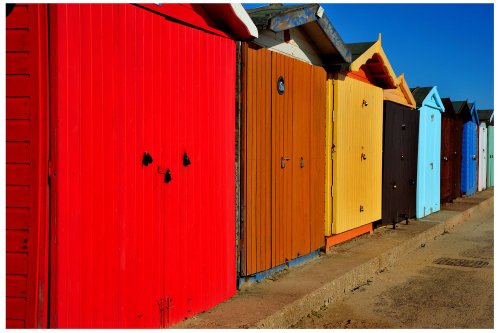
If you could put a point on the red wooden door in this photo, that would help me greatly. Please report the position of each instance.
(133, 247)
(26, 169)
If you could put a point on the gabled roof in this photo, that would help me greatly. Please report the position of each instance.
(401, 94)
(485, 116)
(462, 109)
(449, 109)
(312, 20)
(473, 112)
(424, 95)
(371, 59)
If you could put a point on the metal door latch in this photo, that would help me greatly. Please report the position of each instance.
(432, 166)
(394, 186)
(361, 209)
(365, 103)
(283, 160)
(445, 158)
(302, 162)
(363, 156)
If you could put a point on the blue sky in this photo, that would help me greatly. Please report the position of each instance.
(446, 45)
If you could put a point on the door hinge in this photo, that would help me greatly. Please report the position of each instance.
(331, 191)
(333, 151)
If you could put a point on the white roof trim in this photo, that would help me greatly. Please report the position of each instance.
(242, 14)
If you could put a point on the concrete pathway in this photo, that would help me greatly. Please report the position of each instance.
(283, 299)
(446, 284)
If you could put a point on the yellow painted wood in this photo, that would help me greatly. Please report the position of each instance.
(328, 156)
(357, 130)
(401, 94)
(376, 48)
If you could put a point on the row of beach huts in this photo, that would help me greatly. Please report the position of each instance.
(159, 155)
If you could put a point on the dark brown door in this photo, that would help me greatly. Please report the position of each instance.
(446, 159)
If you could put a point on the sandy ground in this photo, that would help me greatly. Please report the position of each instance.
(418, 293)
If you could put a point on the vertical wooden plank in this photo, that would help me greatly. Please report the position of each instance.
(301, 142)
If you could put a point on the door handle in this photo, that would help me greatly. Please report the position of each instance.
(283, 160)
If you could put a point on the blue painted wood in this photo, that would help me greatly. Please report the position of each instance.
(468, 184)
(429, 151)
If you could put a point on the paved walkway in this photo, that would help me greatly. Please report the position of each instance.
(286, 297)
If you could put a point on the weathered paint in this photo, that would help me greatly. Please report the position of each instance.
(429, 144)
(26, 201)
(357, 155)
(283, 149)
(491, 142)
(482, 157)
(468, 184)
(129, 249)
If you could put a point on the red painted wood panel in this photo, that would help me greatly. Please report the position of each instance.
(17, 39)
(128, 244)
(18, 218)
(18, 19)
(18, 196)
(17, 108)
(18, 152)
(19, 174)
(11, 323)
(18, 63)
(16, 286)
(18, 130)
(18, 85)
(26, 134)
(17, 263)
(16, 308)
(17, 241)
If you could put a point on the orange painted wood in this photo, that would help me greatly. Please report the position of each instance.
(301, 142)
(283, 208)
(317, 157)
(256, 160)
(347, 235)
